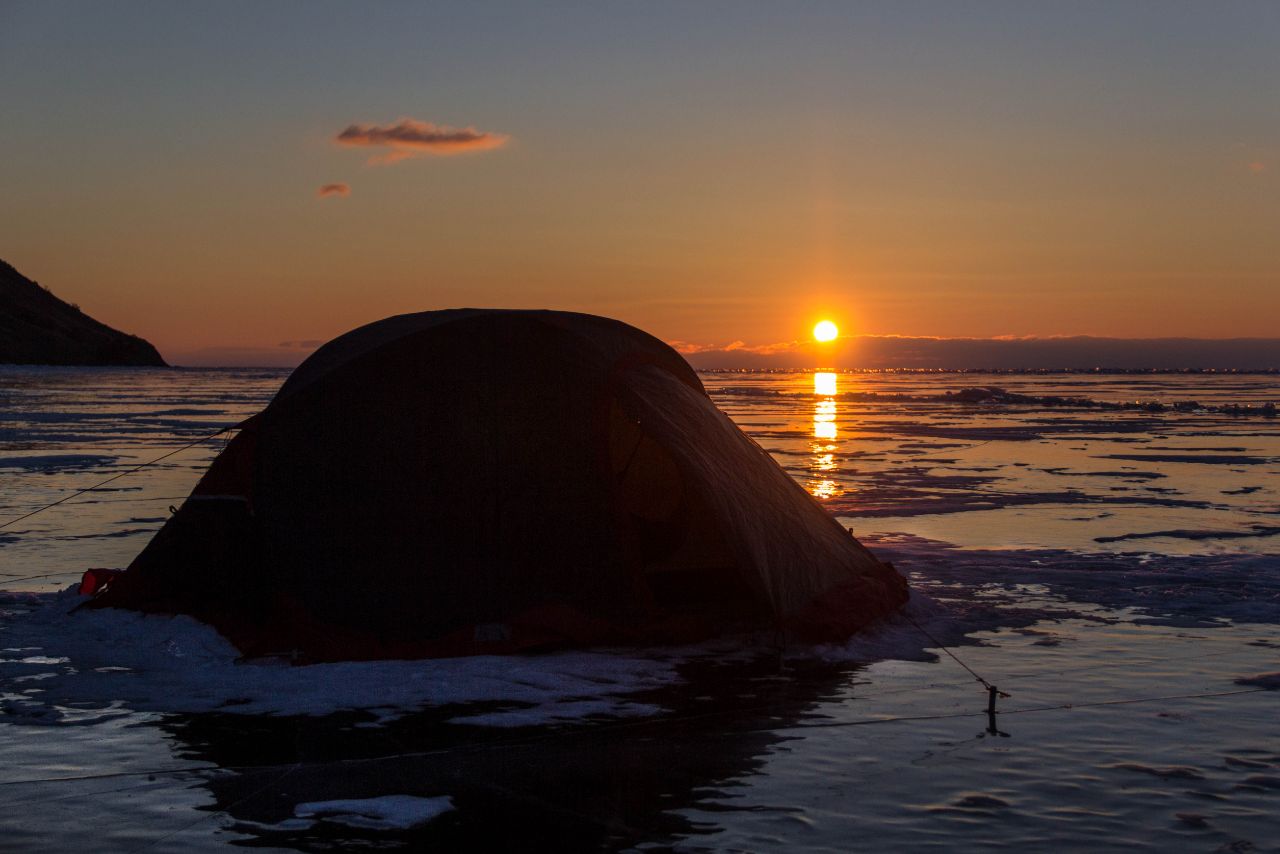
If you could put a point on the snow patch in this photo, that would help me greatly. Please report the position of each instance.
(106, 659)
(389, 812)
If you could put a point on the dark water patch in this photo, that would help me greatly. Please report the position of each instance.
(1210, 448)
(1196, 820)
(896, 499)
(1128, 475)
(1205, 459)
(172, 412)
(127, 532)
(1240, 762)
(1258, 783)
(990, 397)
(1270, 681)
(1244, 490)
(1042, 638)
(1125, 440)
(980, 802)
(995, 395)
(54, 463)
(1230, 434)
(976, 434)
(1168, 772)
(1185, 534)
(843, 454)
(1011, 433)
(36, 416)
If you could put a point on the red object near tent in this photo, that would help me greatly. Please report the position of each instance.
(486, 481)
(96, 579)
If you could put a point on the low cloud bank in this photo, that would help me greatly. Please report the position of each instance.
(1078, 352)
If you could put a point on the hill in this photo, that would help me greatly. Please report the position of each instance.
(37, 328)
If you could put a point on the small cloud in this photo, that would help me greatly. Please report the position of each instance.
(688, 348)
(1257, 166)
(412, 138)
(340, 190)
(773, 349)
(308, 344)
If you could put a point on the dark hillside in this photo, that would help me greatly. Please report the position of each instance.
(37, 328)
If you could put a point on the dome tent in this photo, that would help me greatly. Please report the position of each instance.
(486, 481)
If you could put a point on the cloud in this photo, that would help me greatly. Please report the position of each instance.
(689, 348)
(327, 190)
(1257, 166)
(412, 138)
(308, 344)
(686, 348)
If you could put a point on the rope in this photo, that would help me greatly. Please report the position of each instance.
(985, 684)
(134, 499)
(69, 574)
(138, 467)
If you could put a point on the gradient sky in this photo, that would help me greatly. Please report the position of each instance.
(712, 172)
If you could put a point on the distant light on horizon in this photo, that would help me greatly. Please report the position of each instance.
(825, 331)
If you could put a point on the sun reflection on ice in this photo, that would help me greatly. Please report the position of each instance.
(824, 419)
(824, 383)
(825, 432)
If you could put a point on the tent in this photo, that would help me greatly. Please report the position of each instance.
(486, 481)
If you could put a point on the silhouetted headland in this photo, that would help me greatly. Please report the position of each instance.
(37, 328)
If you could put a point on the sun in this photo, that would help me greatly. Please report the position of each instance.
(826, 331)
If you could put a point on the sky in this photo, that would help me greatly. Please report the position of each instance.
(237, 181)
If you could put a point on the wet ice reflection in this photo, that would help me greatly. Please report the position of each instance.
(823, 463)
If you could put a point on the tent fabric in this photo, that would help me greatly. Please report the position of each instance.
(486, 481)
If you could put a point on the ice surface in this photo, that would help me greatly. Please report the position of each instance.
(1210, 589)
(1107, 566)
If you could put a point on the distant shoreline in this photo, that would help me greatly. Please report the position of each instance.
(790, 370)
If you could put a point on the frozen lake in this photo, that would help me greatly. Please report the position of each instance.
(1105, 548)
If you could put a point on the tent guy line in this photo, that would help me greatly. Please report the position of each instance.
(136, 468)
(991, 689)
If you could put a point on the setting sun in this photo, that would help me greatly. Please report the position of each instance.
(826, 331)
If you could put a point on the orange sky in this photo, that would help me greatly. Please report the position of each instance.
(996, 171)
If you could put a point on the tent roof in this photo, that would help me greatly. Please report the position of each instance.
(603, 333)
